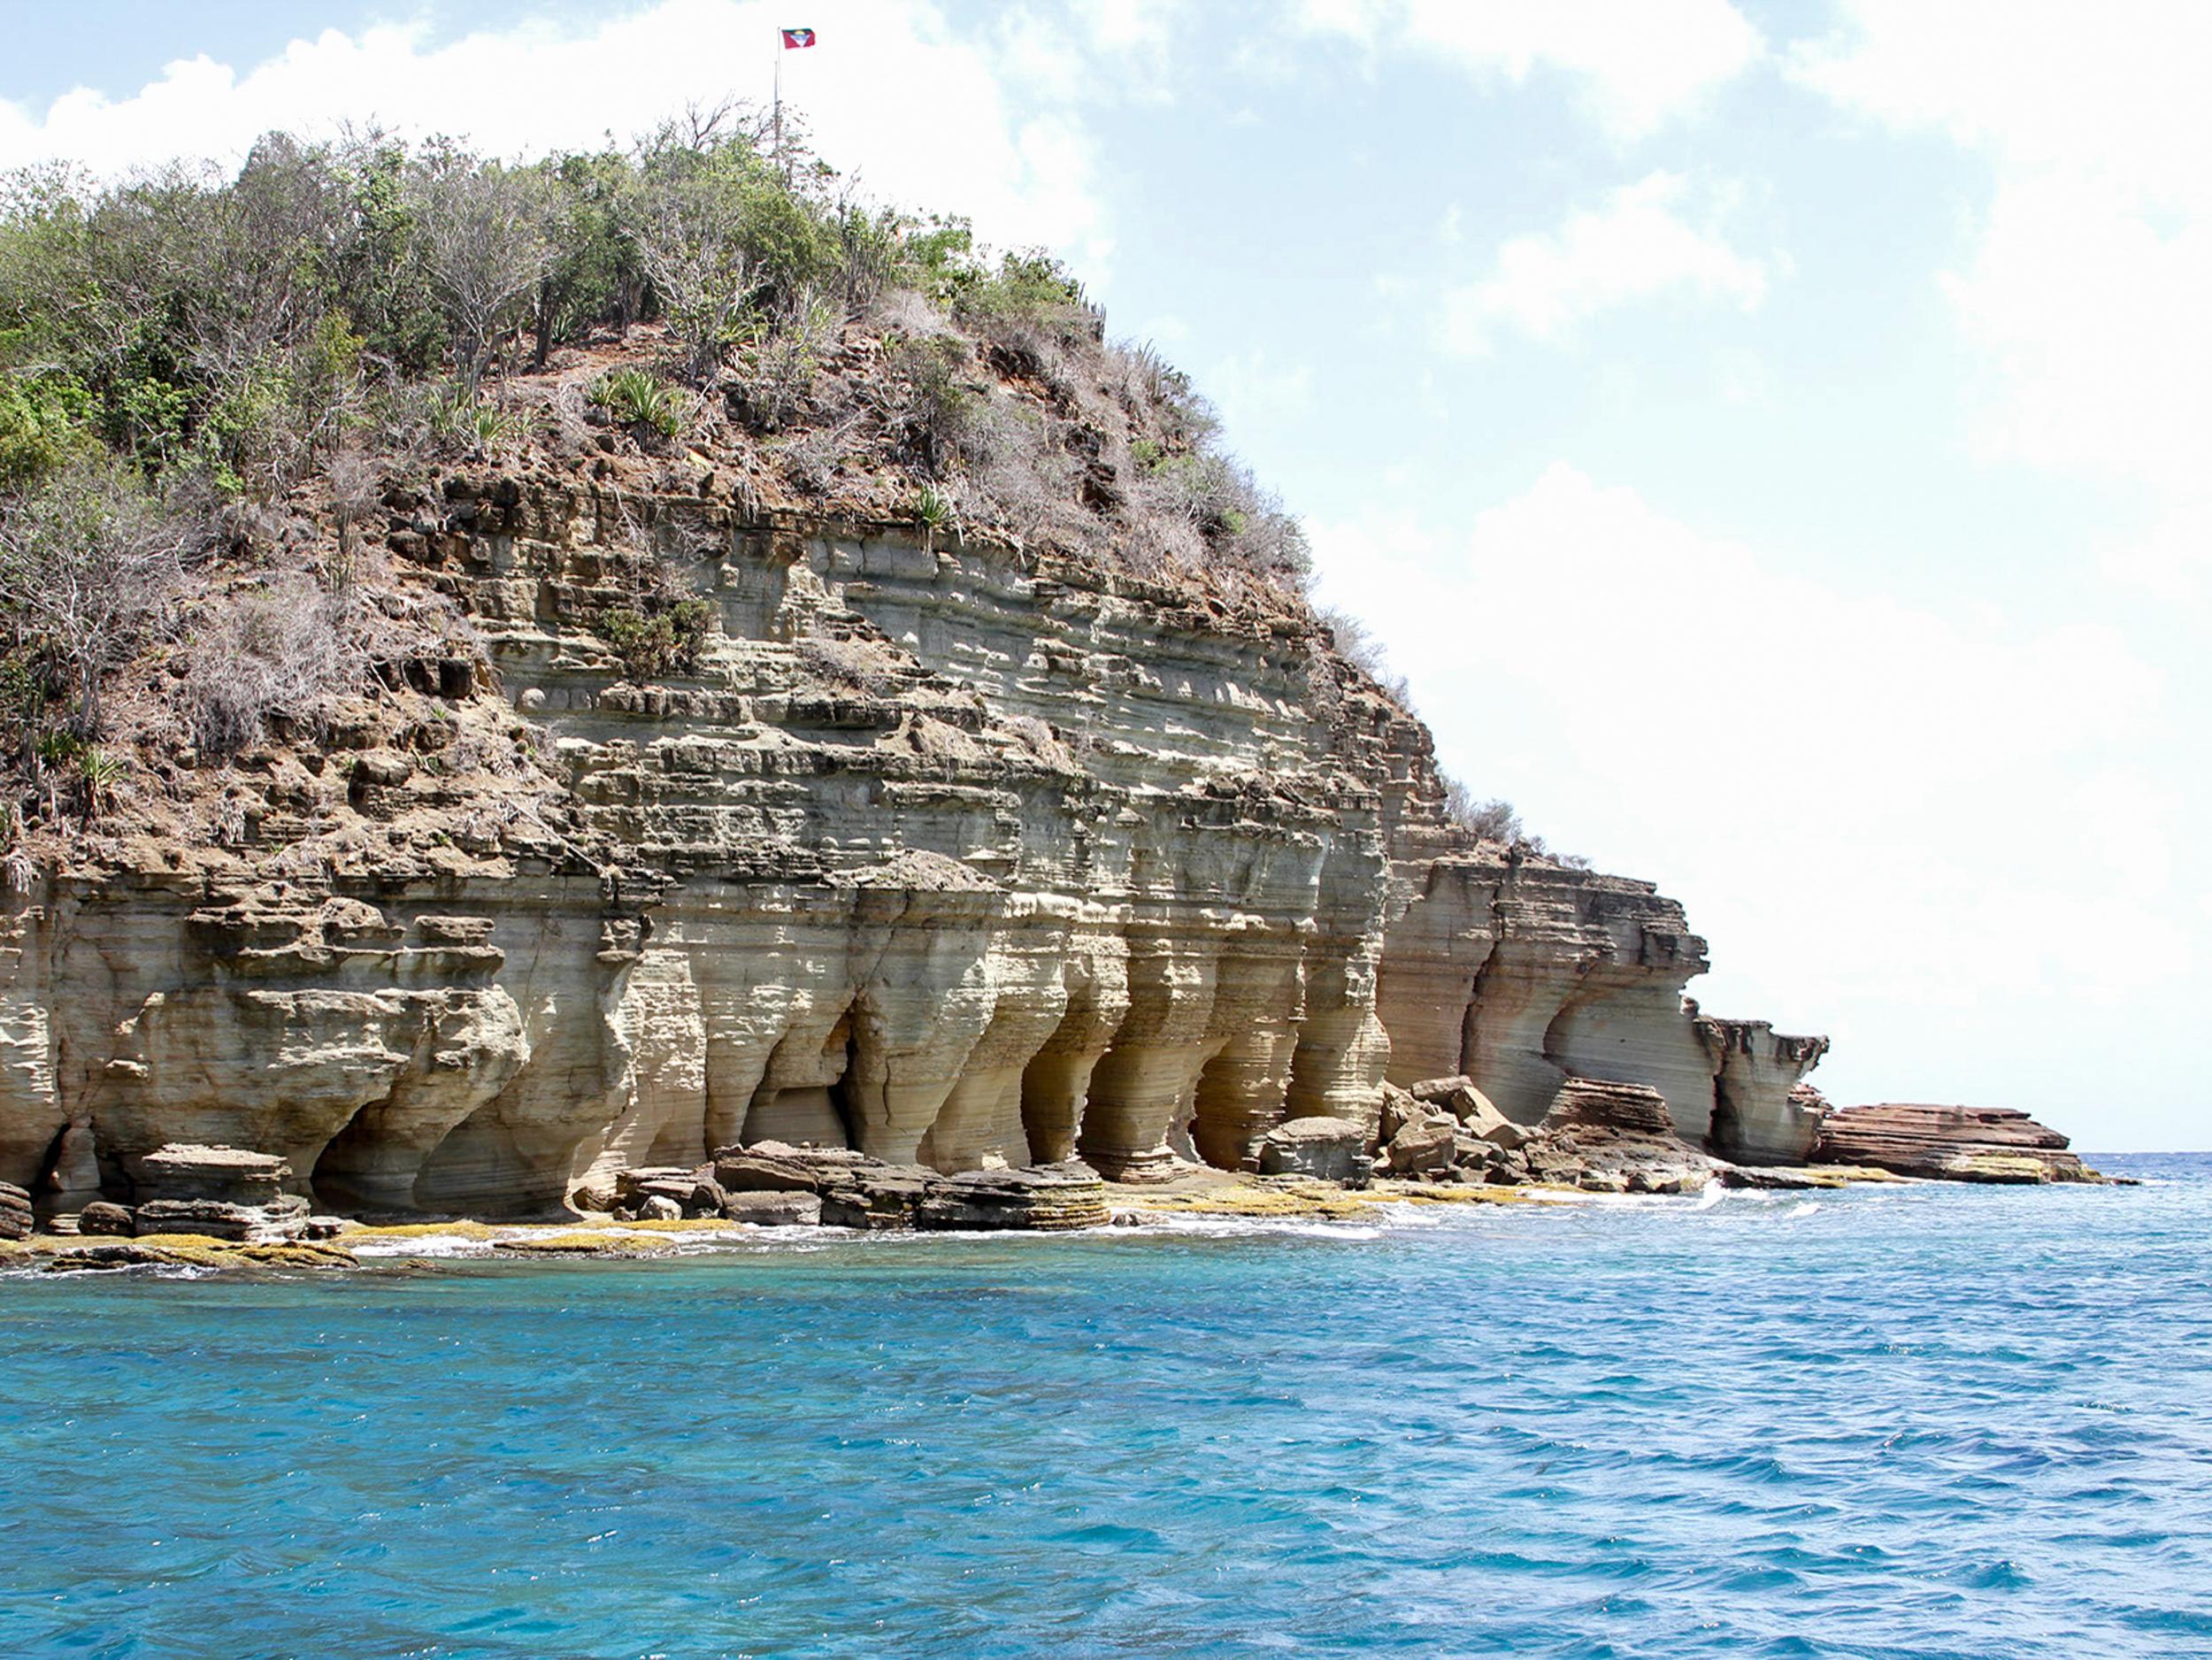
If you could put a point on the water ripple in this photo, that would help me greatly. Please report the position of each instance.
(1915, 1422)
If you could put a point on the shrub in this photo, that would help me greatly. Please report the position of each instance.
(89, 565)
(483, 247)
(653, 640)
(278, 652)
(1496, 821)
(777, 361)
(42, 419)
(810, 461)
(935, 511)
(939, 406)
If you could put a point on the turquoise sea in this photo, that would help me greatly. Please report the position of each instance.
(1907, 1421)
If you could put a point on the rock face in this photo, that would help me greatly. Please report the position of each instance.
(1994, 1144)
(15, 1211)
(1758, 1116)
(942, 853)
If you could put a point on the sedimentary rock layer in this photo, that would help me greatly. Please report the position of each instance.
(1954, 1144)
(951, 855)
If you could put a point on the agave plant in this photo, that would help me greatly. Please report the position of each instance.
(935, 510)
(100, 773)
(636, 399)
(456, 414)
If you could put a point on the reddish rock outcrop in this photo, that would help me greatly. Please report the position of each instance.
(1950, 1143)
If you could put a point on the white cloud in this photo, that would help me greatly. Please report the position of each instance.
(1089, 50)
(1940, 838)
(2083, 290)
(1256, 387)
(1650, 238)
(1127, 25)
(1638, 66)
(930, 113)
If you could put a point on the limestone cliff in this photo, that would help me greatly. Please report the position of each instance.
(935, 847)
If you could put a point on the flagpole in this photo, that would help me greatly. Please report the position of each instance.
(779, 97)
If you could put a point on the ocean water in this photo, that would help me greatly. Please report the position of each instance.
(1912, 1421)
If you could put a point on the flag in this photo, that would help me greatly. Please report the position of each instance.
(793, 39)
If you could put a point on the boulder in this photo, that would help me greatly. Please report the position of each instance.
(225, 1175)
(1399, 1109)
(1458, 1096)
(1332, 1149)
(15, 1211)
(1478, 1116)
(113, 1221)
(772, 1209)
(693, 1193)
(1047, 1197)
(659, 1207)
(1422, 1147)
(1992, 1144)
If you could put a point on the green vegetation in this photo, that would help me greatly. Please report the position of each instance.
(666, 634)
(637, 398)
(212, 387)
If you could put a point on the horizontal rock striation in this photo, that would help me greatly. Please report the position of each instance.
(951, 856)
(1991, 1144)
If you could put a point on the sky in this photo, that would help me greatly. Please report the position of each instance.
(1771, 439)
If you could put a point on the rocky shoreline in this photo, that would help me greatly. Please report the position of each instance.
(1442, 1141)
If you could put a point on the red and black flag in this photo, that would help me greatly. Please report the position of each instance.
(794, 39)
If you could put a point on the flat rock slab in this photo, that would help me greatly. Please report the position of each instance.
(1986, 1144)
(774, 1210)
(284, 1218)
(233, 1175)
(1047, 1198)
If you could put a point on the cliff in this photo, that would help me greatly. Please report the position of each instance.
(938, 847)
(511, 674)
